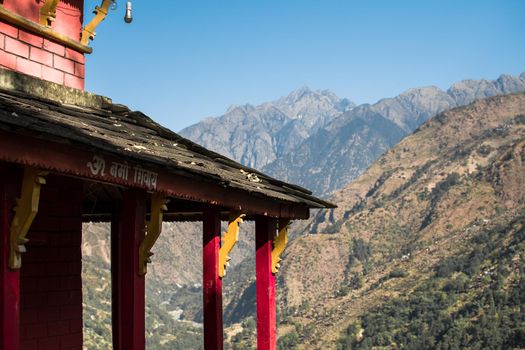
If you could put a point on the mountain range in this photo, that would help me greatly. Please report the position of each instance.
(334, 277)
(316, 130)
(257, 135)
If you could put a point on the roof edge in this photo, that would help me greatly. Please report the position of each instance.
(16, 81)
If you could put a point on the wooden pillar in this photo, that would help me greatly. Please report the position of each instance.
(211, 283)
(265, 230)
(129, 287)
(9, 279)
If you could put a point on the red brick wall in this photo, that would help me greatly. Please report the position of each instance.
(36, 56)
(51, 282)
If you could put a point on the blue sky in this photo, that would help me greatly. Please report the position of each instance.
(181, 61)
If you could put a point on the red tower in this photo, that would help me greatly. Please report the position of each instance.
(42, 39)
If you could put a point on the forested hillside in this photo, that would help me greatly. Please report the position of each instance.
(426, 249)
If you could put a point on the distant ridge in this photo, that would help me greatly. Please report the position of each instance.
(297, 136)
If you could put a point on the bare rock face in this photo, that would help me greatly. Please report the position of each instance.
(335, 155)
(414, 106)
(466, 91)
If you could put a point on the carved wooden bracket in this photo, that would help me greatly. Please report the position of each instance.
(153, 230)
(48, 12)
(25, 212)
(279, 244)
(100, 14)
(230, 239)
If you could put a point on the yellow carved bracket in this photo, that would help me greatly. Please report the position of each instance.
(25, 212)
(231, 237)
(279, 243)
(100, 14)
(48, 12)
(153, 230)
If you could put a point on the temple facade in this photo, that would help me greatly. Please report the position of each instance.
(68, 156)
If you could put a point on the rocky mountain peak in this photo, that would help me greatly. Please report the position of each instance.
(430, 98)
(257, 135)
(466, 91)
(240, 109)
(422, 92)
(313, 108)
(509, 84)
(297, 94)
(305, 102)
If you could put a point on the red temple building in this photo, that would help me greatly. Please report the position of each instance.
(68, 157)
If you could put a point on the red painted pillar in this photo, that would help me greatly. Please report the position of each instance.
(9, 279)
(115, 217)
(265, 230)
(212, 284)
(129, 320)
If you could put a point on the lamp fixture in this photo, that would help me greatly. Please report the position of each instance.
(128, 18)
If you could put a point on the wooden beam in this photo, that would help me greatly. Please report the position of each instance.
(129, 320)
(211, 283)
(73, 161)
(265, 230)
(9, 279)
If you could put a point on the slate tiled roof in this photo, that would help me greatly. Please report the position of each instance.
(116, 129)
